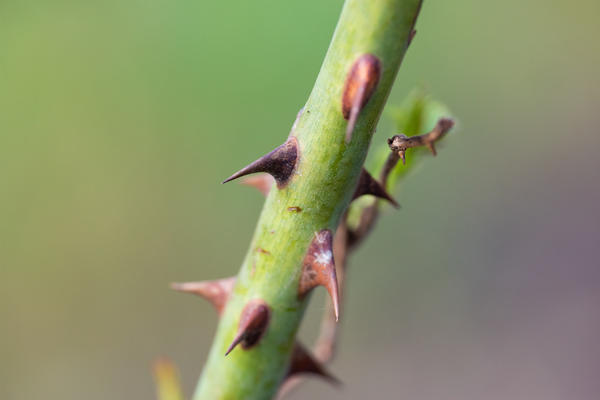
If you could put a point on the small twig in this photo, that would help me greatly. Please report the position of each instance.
(400, 143)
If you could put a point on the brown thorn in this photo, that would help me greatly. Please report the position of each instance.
(360, 85)
(262, 182)
(400, 143)
(217, 292)
(319, 269)
(304, 363)
(253, 324)
(368, 185)
(279, 163)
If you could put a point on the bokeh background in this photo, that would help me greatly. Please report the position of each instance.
(119, 119)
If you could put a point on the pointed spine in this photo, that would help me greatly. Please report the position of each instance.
(217, 292)
(252, 326)
(262, 182)
(318, 269)
(360, 84)
(280, 163)
(369, 185)
(304, 363)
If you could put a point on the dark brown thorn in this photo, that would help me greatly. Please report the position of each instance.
(400, 143)
(253, 324)
(217, 292)
(318, 269)
(262, 182)
(304, 363)
(279, 163)
(368, 185)
(360, 84)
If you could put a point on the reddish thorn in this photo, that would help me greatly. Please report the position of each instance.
(217, 292)
(368, 185)
(253, 324)
(319, 269)
(262, 182)
(279, 163)
(360, 85)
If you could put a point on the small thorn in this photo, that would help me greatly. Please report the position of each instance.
(262, 182)
(360, 84)
(319, 269)
(304, 363)
(217, 292)
(431, 148)
(253, 324)
(402, 155)
(279, 163)
(411, 36)
(368, 185)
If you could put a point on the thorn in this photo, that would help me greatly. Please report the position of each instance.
(279, 163)
(368, 185)
(253, 324)
(217, 292)
(319, 269)
(411, 36)
(402, 155)
(262, 182)
(431, 148)
(304, 363)
(360, 84)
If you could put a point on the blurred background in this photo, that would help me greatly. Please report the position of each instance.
(119, 119)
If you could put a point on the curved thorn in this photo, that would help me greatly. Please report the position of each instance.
(369, 185)
(319, 269)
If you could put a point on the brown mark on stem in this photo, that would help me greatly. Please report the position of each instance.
(252, 326)
(361, 83)
(294, 209)
(263, 251)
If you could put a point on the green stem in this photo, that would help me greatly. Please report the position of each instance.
(322, 186)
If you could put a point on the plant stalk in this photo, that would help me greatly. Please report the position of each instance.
(314, 199)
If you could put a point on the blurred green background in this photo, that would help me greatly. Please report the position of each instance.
(119, 119)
